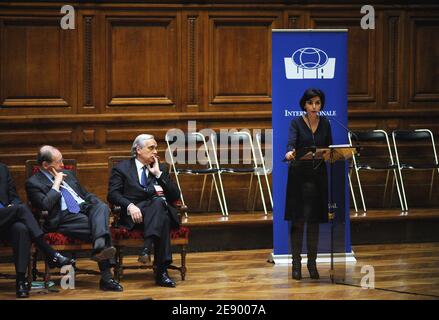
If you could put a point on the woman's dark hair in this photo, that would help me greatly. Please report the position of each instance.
(311, 93)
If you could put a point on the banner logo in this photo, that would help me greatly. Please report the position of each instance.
(309, 63)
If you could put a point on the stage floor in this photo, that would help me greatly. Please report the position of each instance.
(402, 271)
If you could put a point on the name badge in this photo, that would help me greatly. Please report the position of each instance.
(159, 190)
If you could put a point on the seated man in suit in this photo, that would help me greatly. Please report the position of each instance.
(72, 210)
(143, 189)
(18, 225)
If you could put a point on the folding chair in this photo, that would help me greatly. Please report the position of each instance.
(261, 139)
(372, 139)
(254, 168)
(192, 142)
(124, 238)
(413, 139)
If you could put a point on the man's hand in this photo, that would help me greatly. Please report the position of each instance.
(154, 169)
(135, 213)
(59, 177)
(290, 155)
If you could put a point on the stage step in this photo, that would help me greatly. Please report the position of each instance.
(393, 226)
(241, 230)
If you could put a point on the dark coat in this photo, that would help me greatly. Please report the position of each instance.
(307, 186)
(8, 193)
(43, 197)
(124, 188)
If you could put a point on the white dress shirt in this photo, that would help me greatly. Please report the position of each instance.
(64, 184)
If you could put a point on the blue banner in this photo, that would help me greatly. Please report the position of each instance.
(303, 59)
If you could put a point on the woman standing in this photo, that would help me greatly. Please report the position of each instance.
(307, 186)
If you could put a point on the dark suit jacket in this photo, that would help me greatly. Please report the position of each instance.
(8, 193)
(43, 197)
(124, 188)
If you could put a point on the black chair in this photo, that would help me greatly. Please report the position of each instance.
(188, 147)
(417, 144)
(243, 157)
(369, 142)
(264, 141)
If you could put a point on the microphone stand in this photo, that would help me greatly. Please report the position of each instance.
(331, 212)
(353, 134)
(331, 194)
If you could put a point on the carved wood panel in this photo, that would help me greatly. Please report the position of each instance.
(141, 68)
(37, 73)
(423, 62)
(240, 61)
(362, 61)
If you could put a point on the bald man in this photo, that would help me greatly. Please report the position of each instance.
(19, 227)
(72, 210)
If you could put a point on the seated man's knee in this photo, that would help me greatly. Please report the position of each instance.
(102, 207)
(22, 208)
(157, 202)
(19, 228)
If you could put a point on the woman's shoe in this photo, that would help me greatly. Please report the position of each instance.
(297, 271)
(313, 273)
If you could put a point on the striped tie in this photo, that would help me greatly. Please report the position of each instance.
(71, 203)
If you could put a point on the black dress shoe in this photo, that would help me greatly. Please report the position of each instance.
(145, 257)
(110, 285)
(313, 273)
(58, 261)
(164, 280)
(297, 271)
(104, 254)
(22, 290)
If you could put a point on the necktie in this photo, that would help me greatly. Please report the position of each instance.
(1, 205)
(144, 179)
(71, 203)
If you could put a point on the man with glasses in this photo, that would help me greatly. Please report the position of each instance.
(72, 210)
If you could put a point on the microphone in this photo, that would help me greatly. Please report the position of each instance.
(353, 134)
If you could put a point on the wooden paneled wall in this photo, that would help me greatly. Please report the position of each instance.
(130, 68)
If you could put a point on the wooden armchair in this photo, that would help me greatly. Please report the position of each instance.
(58, 241)
(123, 238)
